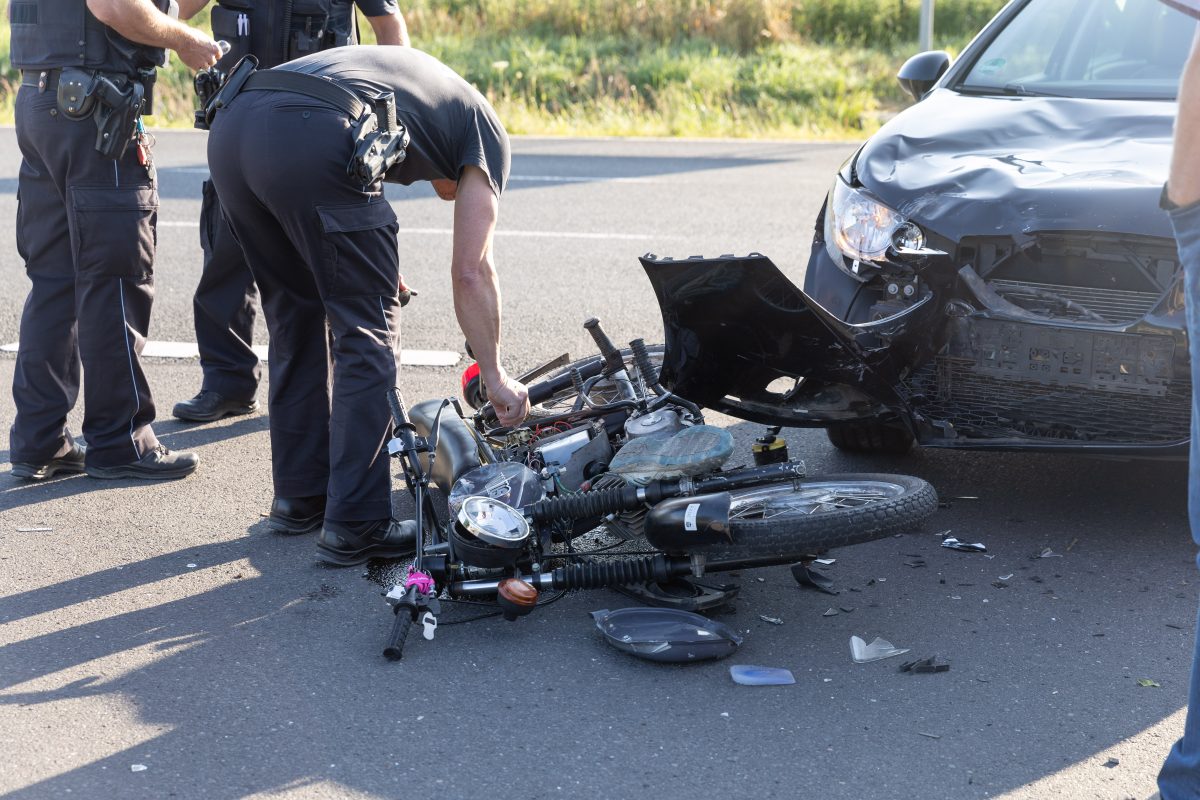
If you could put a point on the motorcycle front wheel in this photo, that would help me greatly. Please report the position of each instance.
(787, 520)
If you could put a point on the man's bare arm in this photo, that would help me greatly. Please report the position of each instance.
(1184, 180)
(390, 29)
(477, 291)
(139, 21)
(190, 8)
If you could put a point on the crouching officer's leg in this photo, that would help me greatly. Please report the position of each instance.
(363, 309)
(223, 309)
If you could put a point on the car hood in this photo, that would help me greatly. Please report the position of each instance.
(993, 166)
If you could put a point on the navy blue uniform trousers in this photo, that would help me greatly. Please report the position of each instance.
(223, 307)
(86, 230)
(323, 252)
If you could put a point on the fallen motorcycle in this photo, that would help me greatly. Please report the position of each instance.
(608, 447)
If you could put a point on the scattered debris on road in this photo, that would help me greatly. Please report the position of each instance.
(1148, 683)
(812, 579)
(925, 665)
(952, 543)
(747, 675)
(772, 620)
(1048, 553)
(877, 650)
(35, 529)
(929, 735)
(1112, 762)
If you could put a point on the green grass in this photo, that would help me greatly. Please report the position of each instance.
(760, 68)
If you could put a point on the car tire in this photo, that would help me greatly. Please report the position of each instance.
(870, 437)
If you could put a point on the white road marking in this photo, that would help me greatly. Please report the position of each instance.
(409, 358)
(516, 234)
(517, 178)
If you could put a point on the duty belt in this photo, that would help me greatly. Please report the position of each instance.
(43, 79)
(379, 139)
(323, 89)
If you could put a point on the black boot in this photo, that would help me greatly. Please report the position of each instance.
(345, 544)
(210, 406)
(293, 516)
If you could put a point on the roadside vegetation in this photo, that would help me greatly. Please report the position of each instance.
(758, 68)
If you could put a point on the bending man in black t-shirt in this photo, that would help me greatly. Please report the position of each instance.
(323, 248)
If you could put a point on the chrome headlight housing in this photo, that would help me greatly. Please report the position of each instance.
(859, 228)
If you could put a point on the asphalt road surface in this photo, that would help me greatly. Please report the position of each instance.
(156, 641)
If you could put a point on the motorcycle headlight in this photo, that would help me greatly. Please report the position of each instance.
(858, 228)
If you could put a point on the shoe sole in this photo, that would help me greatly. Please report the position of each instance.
(295, 527)
(31, 473)
(361, 556)
(116, 473)
(239, 411)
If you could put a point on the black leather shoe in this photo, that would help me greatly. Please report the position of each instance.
(69, 462)
(211, 406)
(345, 544)
(292, 516)
(160, 464)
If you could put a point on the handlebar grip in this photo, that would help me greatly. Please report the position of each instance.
(612, 356)
(395, 647)
(396, 404)
(541, 392)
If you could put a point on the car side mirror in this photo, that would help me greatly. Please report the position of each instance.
(922, 71)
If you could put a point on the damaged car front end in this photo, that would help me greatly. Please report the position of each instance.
(1001, 242)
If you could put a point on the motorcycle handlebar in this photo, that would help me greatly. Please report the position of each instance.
(395, 647)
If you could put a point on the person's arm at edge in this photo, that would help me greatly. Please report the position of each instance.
(190, 8)
(389, 29)
(1183, 183)
(477, 291)
(139, 21)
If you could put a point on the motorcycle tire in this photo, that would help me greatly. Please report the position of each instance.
(602, 392)
(779, 520)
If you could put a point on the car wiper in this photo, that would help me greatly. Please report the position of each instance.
(1008, 90)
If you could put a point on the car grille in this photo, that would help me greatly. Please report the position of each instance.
(981, 406)
(1113, 305)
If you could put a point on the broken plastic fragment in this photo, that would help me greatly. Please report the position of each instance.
(925, 665)
(1006, 577)
(1048, 553)
(772, 620)
(846, 609)
(825, 561)
(1112, 762)
(812, 579)
(1148, 683)
(967, 547)
(879, 649)
(747, 675)
(665, 634)
(832, 612)
(34, 529)
(137, 767)
(929, 735)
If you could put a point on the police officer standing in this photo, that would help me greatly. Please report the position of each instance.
(86, 213)
(274, 31)
(295, 157)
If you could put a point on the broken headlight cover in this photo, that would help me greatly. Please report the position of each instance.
(861, 230)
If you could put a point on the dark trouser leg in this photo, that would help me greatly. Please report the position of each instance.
(223, 308)
(298, 359)
(312, 236)
(110, 211)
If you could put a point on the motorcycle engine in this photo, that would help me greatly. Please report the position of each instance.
(570, 458)
(665, 420)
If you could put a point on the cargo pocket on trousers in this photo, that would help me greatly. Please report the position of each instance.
(113, 233)
(359, 250)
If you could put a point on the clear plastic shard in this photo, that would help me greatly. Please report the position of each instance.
(747, 675)
(879, 649)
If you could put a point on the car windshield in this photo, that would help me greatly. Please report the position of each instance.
(1086, 48)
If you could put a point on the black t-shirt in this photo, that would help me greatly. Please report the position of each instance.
(450, 124)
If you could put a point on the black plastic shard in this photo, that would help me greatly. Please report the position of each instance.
(813, 579)
(666, 634)
(925, 665)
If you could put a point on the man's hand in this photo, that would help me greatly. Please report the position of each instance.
(198, 51)
(140, 21)
(510, 399)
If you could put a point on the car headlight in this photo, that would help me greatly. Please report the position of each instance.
(859, 228)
